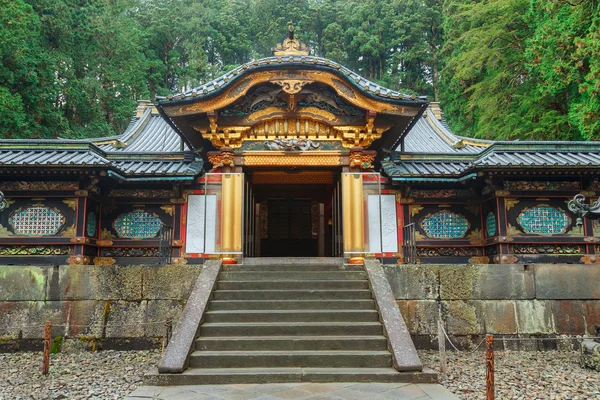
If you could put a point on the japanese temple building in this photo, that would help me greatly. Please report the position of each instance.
(294, 155)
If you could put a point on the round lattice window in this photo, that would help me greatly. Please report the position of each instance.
(137, 225)
(544, 220)
(37, 220)
(491, 226)
(445, 225)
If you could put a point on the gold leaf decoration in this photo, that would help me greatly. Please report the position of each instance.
(4, 231)
(513, 230)
(71, 203)
(105, 234)
(415, 209)
(167, 209)
(510, 203)
(69, 231)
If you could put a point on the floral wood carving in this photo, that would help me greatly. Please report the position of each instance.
(222, 158)
(362, 159)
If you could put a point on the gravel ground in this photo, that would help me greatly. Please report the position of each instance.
(102, 375)
(552, 375)
(113, 374)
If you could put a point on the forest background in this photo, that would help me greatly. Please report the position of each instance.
(502, 69)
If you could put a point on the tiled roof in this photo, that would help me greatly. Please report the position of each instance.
(430, 135)
(68, 153)
(295, 61)
(149, 133)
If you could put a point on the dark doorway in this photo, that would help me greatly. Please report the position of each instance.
(290, 224)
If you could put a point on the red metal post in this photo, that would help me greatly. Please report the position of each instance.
(489, 358)
(47, 334)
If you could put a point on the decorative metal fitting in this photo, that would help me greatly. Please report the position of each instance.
(578, 207)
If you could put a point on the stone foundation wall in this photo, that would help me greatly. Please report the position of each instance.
(118, 306)
(544, 300)
(107, 306)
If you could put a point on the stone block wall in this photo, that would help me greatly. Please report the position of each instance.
(108, 306)
(544, 300)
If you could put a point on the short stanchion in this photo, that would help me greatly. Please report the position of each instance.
(489, 360)
(46, 362)
(442, 348)
(168, 332)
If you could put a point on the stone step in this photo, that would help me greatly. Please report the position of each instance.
(300, 358)
(294, 267)
(292, 316)
(290, 328)
(291, 275)
(367, 304)
(292, 285)
(223, 376)
(333, 294)
(290, 261)
(291, 343)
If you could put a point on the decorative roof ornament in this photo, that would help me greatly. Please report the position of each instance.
(291, 46)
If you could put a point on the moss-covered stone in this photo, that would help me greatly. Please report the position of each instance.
(457, 281)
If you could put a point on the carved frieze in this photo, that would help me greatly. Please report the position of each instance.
(440, 193)
(542, 185)
(130, 252)
(141, 193)
(222, 158)
(34, 250)
(447, 252)
(39, 186)
(546, 249)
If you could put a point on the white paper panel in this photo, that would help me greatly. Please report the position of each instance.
(389, 232)
(195, 224)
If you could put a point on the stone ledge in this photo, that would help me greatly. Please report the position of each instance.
(403, 350)
(176, 355)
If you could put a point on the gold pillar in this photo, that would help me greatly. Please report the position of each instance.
(353, 210)
(231, 216)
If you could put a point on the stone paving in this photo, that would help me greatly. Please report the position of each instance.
(296, 391)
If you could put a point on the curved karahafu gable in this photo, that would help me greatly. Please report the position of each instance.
(292, 96)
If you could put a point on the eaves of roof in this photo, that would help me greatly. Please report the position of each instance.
(215, 86)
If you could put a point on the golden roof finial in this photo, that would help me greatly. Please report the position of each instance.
(291, 46)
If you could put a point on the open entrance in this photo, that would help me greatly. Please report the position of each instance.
(294, 213)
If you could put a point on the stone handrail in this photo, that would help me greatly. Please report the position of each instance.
(404, 353)
(175, 358)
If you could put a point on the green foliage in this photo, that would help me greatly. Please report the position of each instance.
(503, 69)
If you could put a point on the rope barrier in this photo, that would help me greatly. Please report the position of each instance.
(24, 327)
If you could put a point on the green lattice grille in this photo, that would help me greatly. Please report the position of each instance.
(36, 221)
(445, 225)
(137, 225)
(544, 220)
(91, 224)
(491, 225)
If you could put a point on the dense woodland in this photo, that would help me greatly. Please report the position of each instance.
(502, 69)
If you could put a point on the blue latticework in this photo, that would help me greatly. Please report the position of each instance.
(491, 225)
(91, 224)
(445, 225)
(137, 225)
(36, 221)
(544, 220)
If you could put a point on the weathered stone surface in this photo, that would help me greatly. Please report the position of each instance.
(568, 317)
(115, 282)
(419, 282)
(567, 281)
(499, 317)
(20, 283)
(404, 353)
(591, 311)
(462, 317)
(169, 281)
(590, 355)
(175, 358)
(534, 317)
(457, 281)
(421, 316)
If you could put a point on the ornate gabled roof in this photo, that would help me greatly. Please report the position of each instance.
(294, 61)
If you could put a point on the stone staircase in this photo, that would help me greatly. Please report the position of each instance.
(291, 320)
